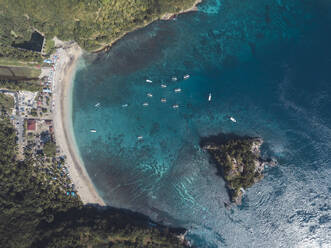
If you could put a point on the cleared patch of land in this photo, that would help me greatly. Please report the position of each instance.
(19, 72)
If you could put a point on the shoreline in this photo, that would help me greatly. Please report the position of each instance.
(168, 16)
(64, 78)
(68, 56)
(164, 17)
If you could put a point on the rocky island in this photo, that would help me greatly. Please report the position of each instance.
(238, 160)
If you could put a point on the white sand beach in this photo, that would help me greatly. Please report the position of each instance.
(65, 69)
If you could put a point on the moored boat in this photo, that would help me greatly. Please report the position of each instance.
(163, 100)
(175, 106)
(93, 131)
(145, 104)
(187, 76)
(177, 90)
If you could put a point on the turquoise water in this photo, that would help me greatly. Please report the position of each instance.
(266, 63)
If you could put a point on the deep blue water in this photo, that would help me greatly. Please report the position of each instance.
(266, 63)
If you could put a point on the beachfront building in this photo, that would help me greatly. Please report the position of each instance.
(47, 90)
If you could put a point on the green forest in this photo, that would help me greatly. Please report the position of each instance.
(35, 213)
(92, 24)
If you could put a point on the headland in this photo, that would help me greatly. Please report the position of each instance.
(238, 160)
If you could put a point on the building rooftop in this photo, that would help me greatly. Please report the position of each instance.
(48, 122)
(31, 125)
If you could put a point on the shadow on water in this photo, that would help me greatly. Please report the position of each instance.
(137, 51)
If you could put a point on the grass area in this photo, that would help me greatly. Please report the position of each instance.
(8, 61)
(49, 46)
(15, 85)
(19, 72)
(50, 149)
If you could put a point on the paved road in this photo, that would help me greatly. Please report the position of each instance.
(19, 122)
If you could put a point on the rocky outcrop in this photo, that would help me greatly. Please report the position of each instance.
(239, 161)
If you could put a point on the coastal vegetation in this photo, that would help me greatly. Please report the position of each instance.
(36, 212)
(238, 160)
(92, 24)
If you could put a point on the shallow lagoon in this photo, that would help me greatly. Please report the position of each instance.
(267, 63)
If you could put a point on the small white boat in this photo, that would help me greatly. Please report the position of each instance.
(149, 95)
(149, 81)
(140, 137)
(163, 100)
(125, 105)
(145, 104)
(93, 131)
(175, 106)
(233, 119)
(209, 97)
(163, 85)
(97, 105)
(177, 90)
(187, 76)
(174, 78)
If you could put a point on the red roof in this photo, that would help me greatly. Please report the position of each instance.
(31, 125)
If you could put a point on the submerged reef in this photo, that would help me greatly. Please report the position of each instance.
(238, 160)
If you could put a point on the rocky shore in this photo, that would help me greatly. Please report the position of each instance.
(238, 160)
